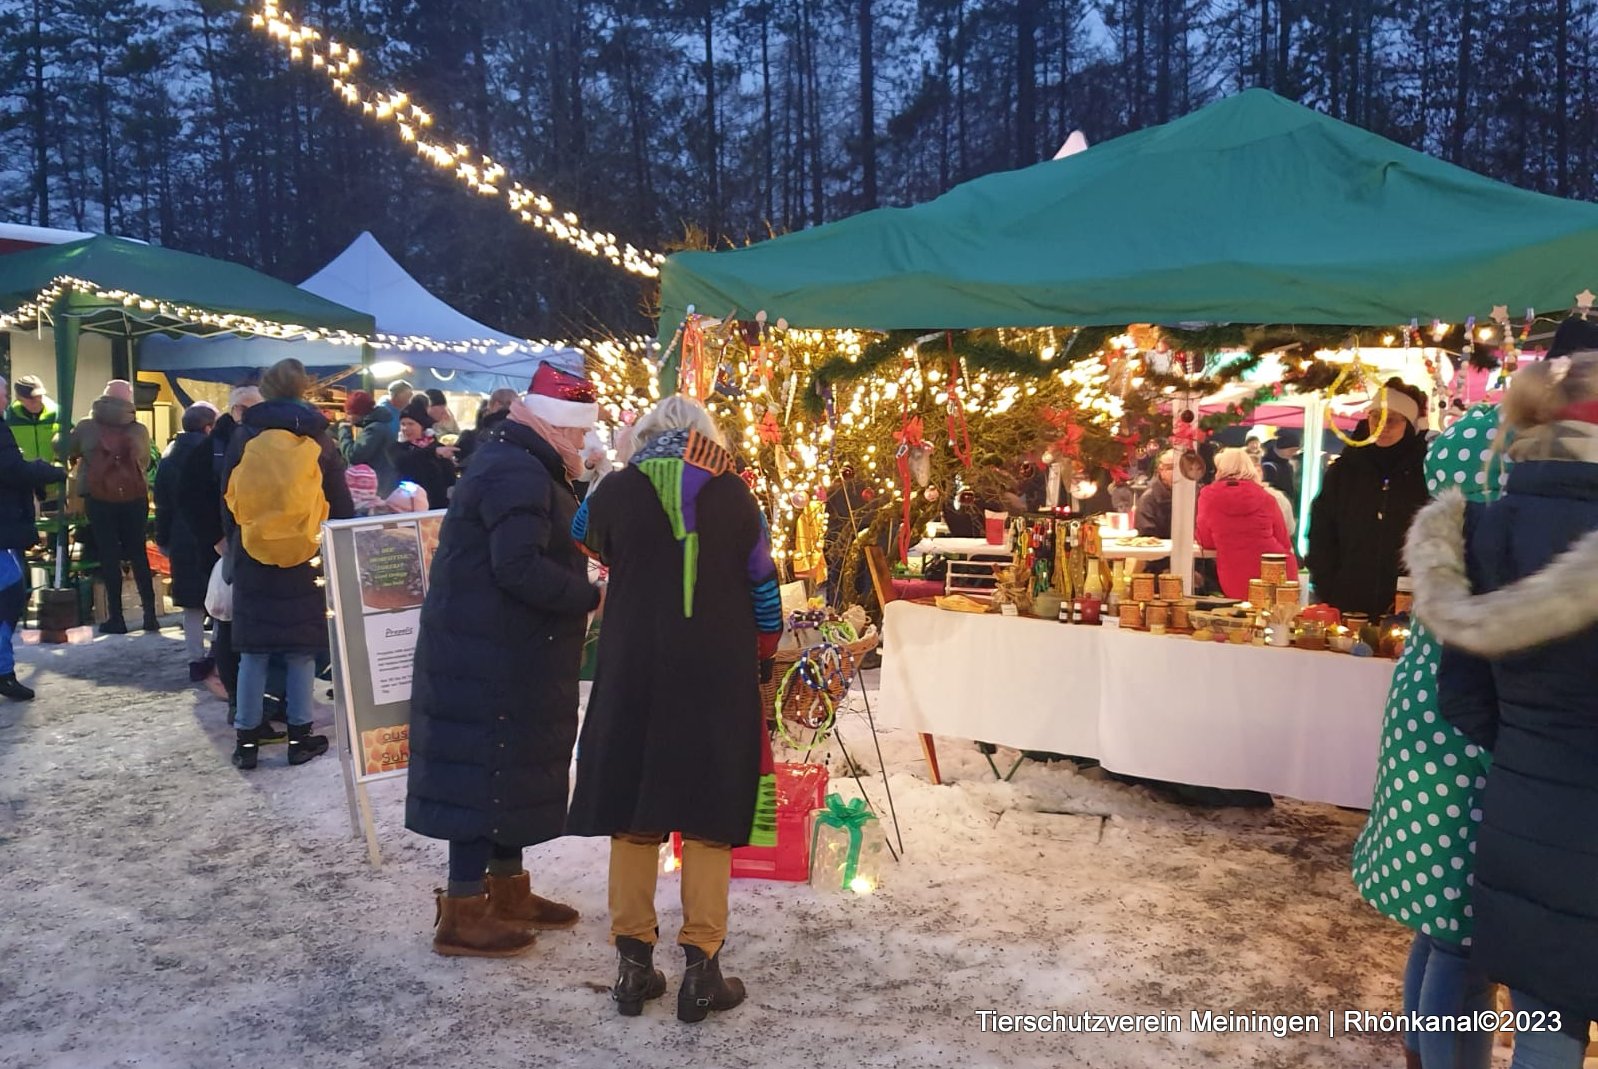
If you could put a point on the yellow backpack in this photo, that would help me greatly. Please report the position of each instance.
(275, 495)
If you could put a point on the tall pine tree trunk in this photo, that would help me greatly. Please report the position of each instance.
(1462, 73)
(868, 108)
(770, 130)
(39, 107)
(1026, 82)
(712, 143)
(1562, 99)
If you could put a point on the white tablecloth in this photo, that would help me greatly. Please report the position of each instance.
(1304, 725)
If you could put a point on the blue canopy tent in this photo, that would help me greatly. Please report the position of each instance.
(438, 346)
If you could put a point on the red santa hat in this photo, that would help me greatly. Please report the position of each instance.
(562, 399)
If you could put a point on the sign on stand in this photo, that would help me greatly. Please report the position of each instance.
(377, 575)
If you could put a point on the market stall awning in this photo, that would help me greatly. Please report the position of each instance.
(127, 289)
(442, 346)
(1252, 210)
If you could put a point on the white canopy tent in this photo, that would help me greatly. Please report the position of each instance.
(420, 337)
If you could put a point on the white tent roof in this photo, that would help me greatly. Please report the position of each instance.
(365, 277)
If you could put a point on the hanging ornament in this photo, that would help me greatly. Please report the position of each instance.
(1356, 375)
(959, 433)
(768, 429)
(798, 499)
(931, 494)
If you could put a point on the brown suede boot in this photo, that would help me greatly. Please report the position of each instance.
(511, 898)
(468, 928)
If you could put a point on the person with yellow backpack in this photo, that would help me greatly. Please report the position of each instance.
(282, 478)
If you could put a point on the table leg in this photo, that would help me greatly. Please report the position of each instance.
(929, 750)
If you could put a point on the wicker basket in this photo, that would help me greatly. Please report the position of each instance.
(800, 703)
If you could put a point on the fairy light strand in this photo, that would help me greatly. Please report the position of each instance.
(339, 63)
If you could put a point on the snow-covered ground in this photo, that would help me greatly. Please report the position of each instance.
(162, 909)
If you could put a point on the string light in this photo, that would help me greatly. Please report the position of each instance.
(623, 370)
(340, 64)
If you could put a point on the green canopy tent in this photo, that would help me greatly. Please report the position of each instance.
(1253, 210)
(124, 289)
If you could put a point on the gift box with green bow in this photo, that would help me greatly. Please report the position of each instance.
(845, 847)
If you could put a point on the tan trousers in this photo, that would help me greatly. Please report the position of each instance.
(706, 872)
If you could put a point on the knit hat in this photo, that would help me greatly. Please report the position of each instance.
(1574, 335)
(362, 481)
(28, 385)
(417, 410)
(562, 399)
(359, 403)
(1399, 403)
(1462, 457)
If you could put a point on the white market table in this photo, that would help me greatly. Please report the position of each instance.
(1289, 722)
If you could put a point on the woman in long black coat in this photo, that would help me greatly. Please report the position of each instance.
(674, 739)
(199, 499)
(191, 559)
(1518, 675)
(494, 693)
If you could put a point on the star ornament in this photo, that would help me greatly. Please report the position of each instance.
(1500, 313)
(1584, 301)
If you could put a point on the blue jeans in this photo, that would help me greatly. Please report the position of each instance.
(8, 656)
(1544, 1050)
(252, 688)
(1441, 981)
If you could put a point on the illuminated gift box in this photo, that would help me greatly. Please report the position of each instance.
(845, 847)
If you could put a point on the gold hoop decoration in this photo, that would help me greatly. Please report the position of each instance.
(1380, 423)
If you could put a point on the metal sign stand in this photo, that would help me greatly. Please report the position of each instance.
(360, 803)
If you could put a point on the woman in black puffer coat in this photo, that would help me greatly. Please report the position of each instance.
(1518, 676)
(1358, 521)
(191, 559)
(279, 609)
(494, 693)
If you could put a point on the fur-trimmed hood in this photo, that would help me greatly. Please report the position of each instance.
(1559, 601)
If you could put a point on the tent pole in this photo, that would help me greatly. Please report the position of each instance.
(1310, 465)
(65, 327)
(366, 367)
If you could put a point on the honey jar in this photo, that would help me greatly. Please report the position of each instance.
(1287, 595)
(1143, 587)
(1132, 615)
(1158, 614)
(1261, 594)
(1171, 586)
(1273, 568)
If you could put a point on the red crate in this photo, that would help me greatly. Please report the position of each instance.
(801, 790)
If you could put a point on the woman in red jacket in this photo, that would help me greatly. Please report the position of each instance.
(1241, 521)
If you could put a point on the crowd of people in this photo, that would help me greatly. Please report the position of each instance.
(1482, 836)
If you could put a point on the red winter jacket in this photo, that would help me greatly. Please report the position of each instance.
(1240, 521)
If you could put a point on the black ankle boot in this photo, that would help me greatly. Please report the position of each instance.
(703, 988)
(270, 732)
(637, 979)
(303, 745)
(245, 749)
(11, 687)
(151, 622)
(114, 625)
